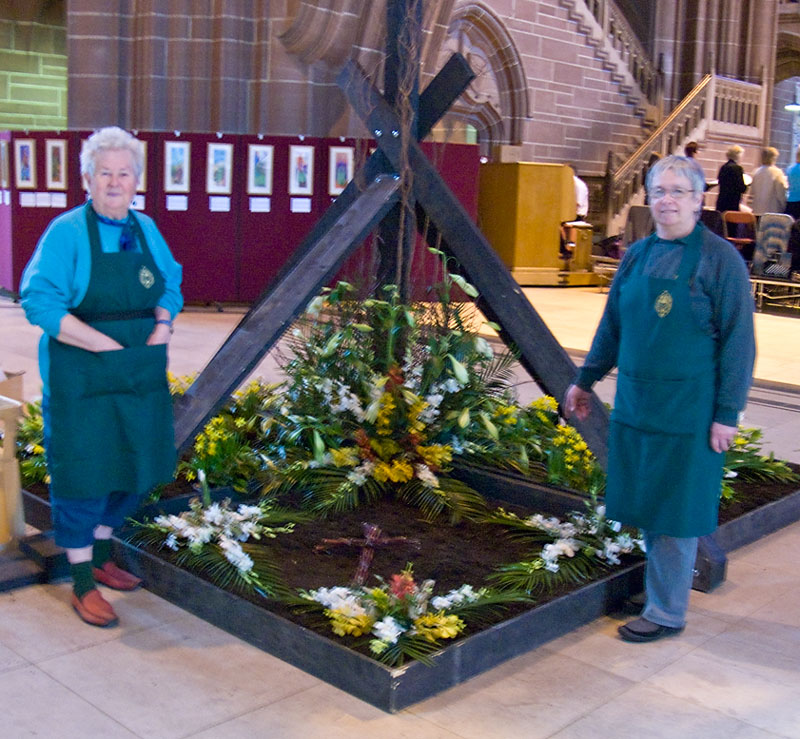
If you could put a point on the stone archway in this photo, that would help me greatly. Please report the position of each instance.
(496, 103)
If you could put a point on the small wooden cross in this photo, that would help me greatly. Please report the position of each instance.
(372, 540)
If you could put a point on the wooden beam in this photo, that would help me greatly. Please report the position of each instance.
(283, 301)
(501, 298)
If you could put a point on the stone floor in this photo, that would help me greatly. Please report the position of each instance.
(734, 673)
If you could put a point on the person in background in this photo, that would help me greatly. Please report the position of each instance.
(678, 325)
(104, 287)
(731, 181)
(691, 149)
(568, 233)
(768, 188)
(793, 180)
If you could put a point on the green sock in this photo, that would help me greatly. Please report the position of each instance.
(82, 580)
(101, 552)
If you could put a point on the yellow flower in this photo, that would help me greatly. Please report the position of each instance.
(506, 414)
(433, 626)
(343, 624)
(436, 454)
(545, 403)
(384, 420)
(38, 449)
(347, 457)
(414, 422)
(398, 471)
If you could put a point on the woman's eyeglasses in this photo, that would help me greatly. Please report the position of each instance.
(676, 193)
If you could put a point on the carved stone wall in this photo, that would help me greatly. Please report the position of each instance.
(269, 66)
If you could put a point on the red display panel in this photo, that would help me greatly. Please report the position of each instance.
(230, 226)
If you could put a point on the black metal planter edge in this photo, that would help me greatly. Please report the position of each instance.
(390, 689)
(394, 689)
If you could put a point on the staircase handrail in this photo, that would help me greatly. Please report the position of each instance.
(654, 142)
(630, 49)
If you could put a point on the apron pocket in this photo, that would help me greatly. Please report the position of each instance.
(664, 406)
(134, 370)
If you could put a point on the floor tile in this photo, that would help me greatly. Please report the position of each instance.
(646, 712)
(33, 704)
(9, 659)
(599, 644)
(39, 623)
(759, 688)
(323, 712)
(531, 696)
(188, 674)
(748, 587)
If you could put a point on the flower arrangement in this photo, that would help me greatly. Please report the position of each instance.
(383, 397)
(218, 539)
(404, 618)
(745, 461)
(571, 550)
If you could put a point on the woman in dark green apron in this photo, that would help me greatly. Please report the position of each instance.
(107, 313)
(678, 325)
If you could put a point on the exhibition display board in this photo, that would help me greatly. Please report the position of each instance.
(231, 207)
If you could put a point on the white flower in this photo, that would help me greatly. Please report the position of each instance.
(425, 476)
(315, 306)
(236, 555)
(387, 630)
(171, 542)
(483, 348)
(213, 514)
(731, 474)
(452, 385)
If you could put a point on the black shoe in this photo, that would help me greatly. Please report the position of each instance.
(649, 632)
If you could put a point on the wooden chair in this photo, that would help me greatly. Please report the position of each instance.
(771, 254)
(739, 228)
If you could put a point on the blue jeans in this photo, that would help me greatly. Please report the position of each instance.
(668, 578)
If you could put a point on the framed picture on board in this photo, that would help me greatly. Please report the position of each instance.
(176, 166)
(55, 165)
(25, 163)
(142, 186)
(219, 166)
(340, 168)
(301, 170)
(4, 168)
(259, 169)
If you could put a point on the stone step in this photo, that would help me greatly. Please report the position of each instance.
(46, 554)
(17, 570)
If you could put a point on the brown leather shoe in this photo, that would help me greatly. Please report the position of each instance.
(113, 577)
(94, 609)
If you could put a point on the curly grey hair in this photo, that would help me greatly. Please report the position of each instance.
(682, 166)
(111, 138)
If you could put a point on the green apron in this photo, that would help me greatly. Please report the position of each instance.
(110, 412)
(662, 473)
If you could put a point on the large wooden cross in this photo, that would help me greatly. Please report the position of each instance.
(356, 212)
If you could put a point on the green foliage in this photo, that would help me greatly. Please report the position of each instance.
(745, 461)
(218, 541)
(562, 552)
(30, 446)
(404, 618)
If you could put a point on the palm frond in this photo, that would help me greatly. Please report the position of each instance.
(453, 496)
(532, 577)
(264, 578)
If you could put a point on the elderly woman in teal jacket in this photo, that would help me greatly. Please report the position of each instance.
(104, 287)
(678, 325)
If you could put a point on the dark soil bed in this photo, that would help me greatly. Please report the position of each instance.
(452, 555)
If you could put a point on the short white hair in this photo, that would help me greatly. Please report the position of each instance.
(111, 138)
